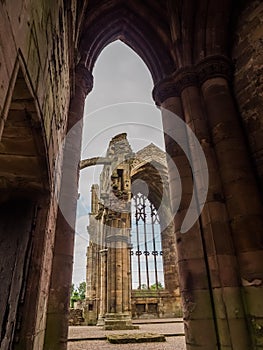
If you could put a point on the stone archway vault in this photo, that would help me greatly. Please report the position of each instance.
(205, 58)
(192, 80)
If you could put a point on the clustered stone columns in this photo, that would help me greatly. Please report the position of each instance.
(212, 263)
(194, 284)
(117, 241)
(242, 198)
(117, 306)
(58, 304)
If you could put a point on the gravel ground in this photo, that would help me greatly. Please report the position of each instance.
(172, 343)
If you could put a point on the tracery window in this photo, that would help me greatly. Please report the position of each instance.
(146, 252)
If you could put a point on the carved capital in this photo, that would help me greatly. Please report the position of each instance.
(209, 67)
(185, 77)
(163, 90)
(173, 85)
(213, 67)
(83, 79)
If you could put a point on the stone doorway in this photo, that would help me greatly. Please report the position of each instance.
(24, 195)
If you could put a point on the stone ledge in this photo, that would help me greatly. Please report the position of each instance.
(119, 326)
(135, 338)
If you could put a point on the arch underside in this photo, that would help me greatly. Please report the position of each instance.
(166, 35)
(22, 145)
(109, 23)
(183, 43)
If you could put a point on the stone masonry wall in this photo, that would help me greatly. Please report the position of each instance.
(35, 36)
(248, 57)
(75, 317)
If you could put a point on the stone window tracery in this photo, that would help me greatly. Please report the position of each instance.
(146, 252)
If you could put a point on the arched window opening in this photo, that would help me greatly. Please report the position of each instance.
(146, 252)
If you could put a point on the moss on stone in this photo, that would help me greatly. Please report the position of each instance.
(135, 338)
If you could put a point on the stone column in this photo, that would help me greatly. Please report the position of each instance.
(171, 279)
(92, 288)
(125, 263)
(214, 220)
(58, 304)
(103, 286)
(93, 268)
(94, 199)
(118, 315)
(195, 288)
(241, 193)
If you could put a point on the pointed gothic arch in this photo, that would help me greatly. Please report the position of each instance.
(192, 48)
(129, 25)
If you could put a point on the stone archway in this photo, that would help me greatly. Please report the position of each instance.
(150, 168)
(191, 68)
(196, 51)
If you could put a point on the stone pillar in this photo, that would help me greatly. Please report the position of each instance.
(125, 263)
(94, 199)
(117, 240)
(92, 288)
(103, 286)
(118, 315)
(217, 238)
(93, 269)
(58, 304)
(171, 279)
(195, 288)
(241, 193)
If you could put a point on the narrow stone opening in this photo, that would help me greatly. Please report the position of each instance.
(23, 189)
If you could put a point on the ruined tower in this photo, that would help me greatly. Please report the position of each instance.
(111, 300)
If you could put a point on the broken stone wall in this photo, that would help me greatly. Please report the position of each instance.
(151, 304)
(75, 317)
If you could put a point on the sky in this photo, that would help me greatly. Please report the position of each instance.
(120, 101)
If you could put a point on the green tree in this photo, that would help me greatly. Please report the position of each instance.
(74, 297)
(143, 286)
(82, 290)
(72, 288)
(154, 287)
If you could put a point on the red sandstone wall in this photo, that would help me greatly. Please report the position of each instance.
(248, 83)
(36, 34)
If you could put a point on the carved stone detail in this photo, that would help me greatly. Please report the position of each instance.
(83, 78)
(214, 66)
(175, 84)
(196, 75)
(164, 89)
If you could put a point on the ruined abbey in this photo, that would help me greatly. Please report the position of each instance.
(131, 250)
(205, 58)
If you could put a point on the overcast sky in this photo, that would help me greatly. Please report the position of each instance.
(120, 101)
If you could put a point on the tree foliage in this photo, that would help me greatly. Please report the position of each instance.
(154, 286)
(82, 290)
(77, 293)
